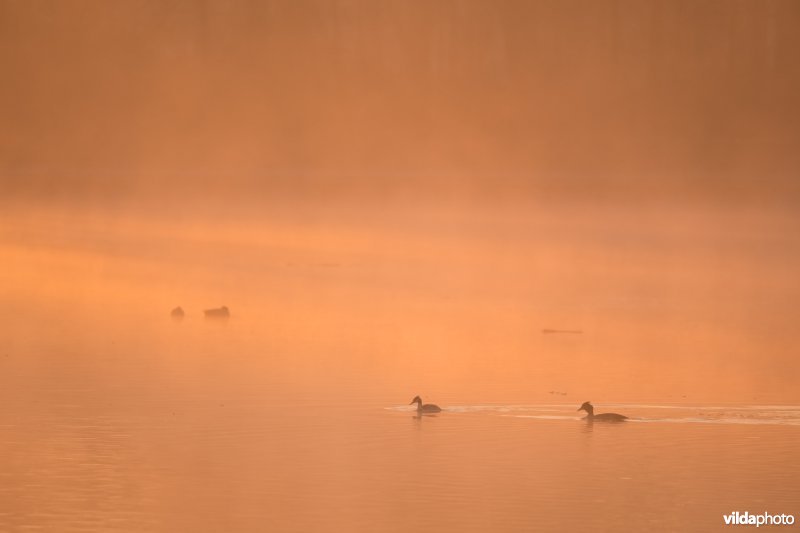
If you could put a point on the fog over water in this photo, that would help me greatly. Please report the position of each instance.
(508, 208)
(455, 97)
(670, 303)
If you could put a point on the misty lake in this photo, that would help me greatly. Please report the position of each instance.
(293, 414)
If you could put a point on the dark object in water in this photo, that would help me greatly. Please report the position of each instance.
(548, 330)
(606, 417)
(219, 312)
(177, 312)
(427, 408)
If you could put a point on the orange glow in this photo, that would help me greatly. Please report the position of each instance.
(506, 207)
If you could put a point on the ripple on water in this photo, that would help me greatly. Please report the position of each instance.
(785, 415)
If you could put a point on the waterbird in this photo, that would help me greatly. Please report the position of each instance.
(177, 312)
(608, 417)
(219, 312)
(426, 408)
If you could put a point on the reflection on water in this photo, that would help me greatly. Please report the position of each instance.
(290, 415)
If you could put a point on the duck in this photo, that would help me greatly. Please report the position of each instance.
(426, 408)
(219, 312)
(177, 312)
(607, 417)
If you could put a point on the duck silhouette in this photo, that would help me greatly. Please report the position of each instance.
(425, 408)
(219, 312)
(606, 417)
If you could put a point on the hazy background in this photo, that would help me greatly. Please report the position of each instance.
(455, 175)
(476, 99)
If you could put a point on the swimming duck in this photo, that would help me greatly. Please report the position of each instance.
(608, 417)
(427, 408)
(177, 312)
(220, 312)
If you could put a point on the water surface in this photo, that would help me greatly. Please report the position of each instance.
(293, 415)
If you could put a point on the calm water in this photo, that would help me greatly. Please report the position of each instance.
(293, 415)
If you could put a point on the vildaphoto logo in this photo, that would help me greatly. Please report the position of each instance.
(765, 519)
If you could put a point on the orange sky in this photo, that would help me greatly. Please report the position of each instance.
(324, 97)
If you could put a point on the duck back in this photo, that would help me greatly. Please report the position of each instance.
(611, 417)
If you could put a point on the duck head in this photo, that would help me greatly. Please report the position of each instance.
(416, 399)
(586, 406)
